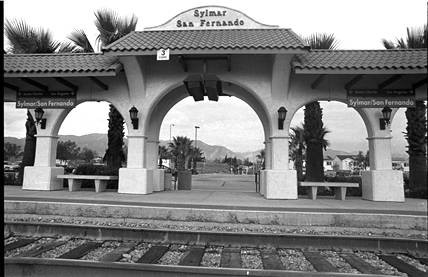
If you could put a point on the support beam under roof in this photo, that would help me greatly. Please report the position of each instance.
(66, 83)
(35, 84)
(10, 86)
(353, 81)
(99, 83)
(419, 83)
(318, 81)
(389, 81)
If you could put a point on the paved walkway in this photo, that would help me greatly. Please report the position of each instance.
(206, 199)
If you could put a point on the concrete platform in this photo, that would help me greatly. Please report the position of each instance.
(220, 206)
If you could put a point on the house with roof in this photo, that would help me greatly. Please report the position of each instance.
(328, 162)
(344, 162)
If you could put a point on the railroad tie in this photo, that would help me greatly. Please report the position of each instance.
(193, 257)
(360, 264)
(320, 263)
(117, 253)
(230, 258)
(402, 266)
(271, 259)
(19, 243)
(81, 250)
(423, 260)
(153, 255)
(41, 249)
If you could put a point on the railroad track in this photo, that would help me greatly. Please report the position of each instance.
(67, 250)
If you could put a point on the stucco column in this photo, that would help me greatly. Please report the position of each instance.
(281, 183)
(135, 178)
(42, 176)
(381, 183)
(152, 163)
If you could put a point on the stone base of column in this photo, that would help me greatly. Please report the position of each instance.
(135, 180)
(383, 185)
(262, 182)
(158, 179)
(42, 178)
(281, 184)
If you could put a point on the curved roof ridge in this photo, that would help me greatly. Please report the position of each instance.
(55, 54)
(367, 50)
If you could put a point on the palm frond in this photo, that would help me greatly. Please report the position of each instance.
(80, 39)
(106, 23)
(22, 37)
(388, 44)
(322, 41)
(67, 47)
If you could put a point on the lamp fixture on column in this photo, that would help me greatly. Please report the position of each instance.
(133, 113)
(386, 117)
(282, 113)
(39, 117)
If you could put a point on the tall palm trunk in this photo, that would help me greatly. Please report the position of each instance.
(29, 147)
(313, 126)
(417, 149)
(114, 155)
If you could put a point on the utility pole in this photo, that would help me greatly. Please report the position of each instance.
(170, 126)
(196, 145)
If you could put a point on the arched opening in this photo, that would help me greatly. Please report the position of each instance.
(346, 153)
(83, 141)
(231, 134)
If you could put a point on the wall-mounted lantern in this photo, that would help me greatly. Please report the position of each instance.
(386, 117)
(282, 113)
(39, 117)
(133, 113)
(195, 86)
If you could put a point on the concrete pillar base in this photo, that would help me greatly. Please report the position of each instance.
(158, 179)
(42, 178)
(135, 180)
(262, 182)
(281, 184)
(383, 185)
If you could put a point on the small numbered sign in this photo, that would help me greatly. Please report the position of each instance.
(163, 55)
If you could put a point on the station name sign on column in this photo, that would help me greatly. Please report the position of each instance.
(370, 98)
(45, 99)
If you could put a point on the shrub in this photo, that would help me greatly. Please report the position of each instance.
(91, 169)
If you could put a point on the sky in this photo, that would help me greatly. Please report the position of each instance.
(356, 24)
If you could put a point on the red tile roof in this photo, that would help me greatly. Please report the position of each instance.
(235, 39)
(316, 60)
(70, 63)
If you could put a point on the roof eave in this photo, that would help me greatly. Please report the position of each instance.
(60, 74)
(362, 71)
(206, 51)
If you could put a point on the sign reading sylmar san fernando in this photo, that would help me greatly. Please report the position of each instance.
(210, 17)
(367, 98)
(45, 99)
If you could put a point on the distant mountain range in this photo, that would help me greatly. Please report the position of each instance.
(98, 143)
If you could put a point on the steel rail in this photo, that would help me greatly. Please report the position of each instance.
(65, 268)
(304, 241)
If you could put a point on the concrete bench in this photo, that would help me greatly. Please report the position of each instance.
(75, 181)
(339, 188)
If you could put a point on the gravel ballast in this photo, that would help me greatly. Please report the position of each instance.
(293, 259)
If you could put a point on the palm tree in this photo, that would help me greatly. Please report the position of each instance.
(111, 27)
(297, 149)
(416, 134)
(163, 153)
(314, 134)
(261, 156)
(114, 155)
(25, 39)
(313, 125)
(197, 156)
(180, 149)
